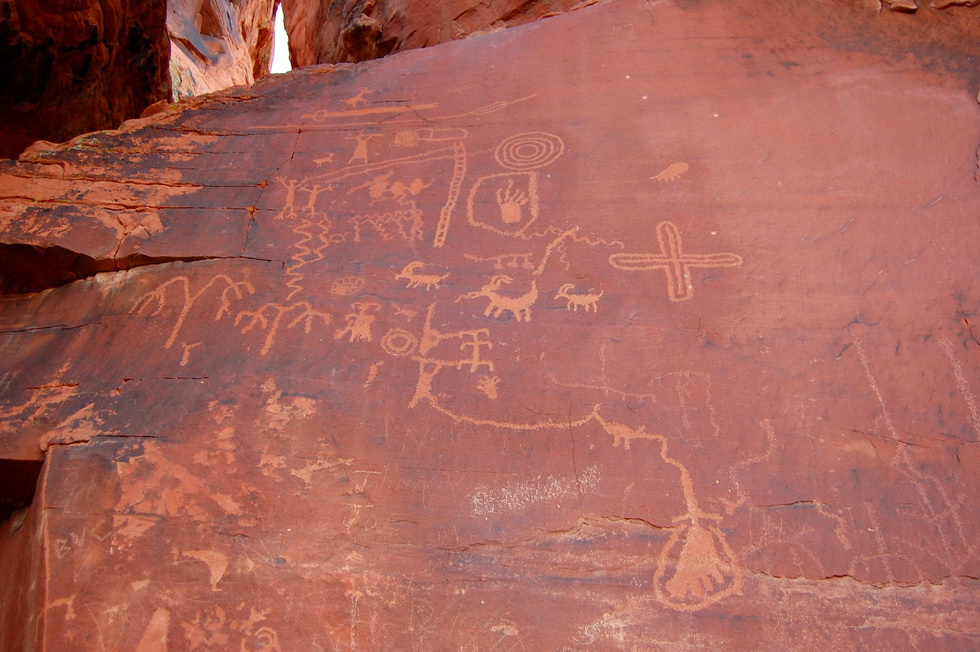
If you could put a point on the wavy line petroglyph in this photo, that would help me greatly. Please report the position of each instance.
(674, 262)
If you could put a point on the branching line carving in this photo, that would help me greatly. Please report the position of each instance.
(271, 315)
(156, 300)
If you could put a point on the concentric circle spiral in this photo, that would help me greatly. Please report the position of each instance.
(529, 151)
(399, 342)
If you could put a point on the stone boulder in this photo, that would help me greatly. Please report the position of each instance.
(648, 326)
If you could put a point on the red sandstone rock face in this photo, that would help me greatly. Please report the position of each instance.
(68, 68)
(355, 30)
(322, 31)
(217, 44)
(91, 65)
(645, 326)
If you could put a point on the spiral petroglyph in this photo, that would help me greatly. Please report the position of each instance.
(529, 151)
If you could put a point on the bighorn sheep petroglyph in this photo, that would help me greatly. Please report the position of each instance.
(587, 300)
(499, 303)
(411, 274)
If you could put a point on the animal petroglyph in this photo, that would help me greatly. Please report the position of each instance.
(671, 172)
(500, 304)
(586, 300)
(416, 279)
(357, 99)
(674, 261)
(520, 306)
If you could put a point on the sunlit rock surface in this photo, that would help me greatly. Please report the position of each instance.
(646, 326)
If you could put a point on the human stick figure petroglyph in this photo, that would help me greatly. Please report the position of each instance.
(586, 300)
(158, 298)
(415, 279)
(270, 316)
(475, 361)
(360, 154)
(430, 366)
(358, 326)
(674, 261)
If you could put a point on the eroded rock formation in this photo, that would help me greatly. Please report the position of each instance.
(326, 31)
(646, 326)
(218, 43)
(71, 67)
(67, 68)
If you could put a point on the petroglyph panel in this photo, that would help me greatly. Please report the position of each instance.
(513, 348)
